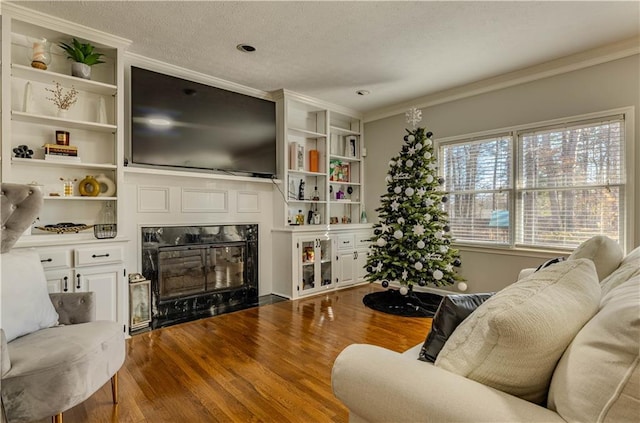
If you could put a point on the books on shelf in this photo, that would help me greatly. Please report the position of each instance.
(62, 158)
(60, 150)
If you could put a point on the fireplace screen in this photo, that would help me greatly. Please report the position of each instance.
(194, 270)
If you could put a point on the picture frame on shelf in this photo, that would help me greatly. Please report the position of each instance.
(296, 156)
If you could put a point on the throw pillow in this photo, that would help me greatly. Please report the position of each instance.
(598, 376)
(24, 299)
(513, 341)
(629, 268)
(605, 253)
(452, 311)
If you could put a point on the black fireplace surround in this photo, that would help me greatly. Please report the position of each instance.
(199, 271)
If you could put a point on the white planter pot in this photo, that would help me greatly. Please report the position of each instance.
(81, 70)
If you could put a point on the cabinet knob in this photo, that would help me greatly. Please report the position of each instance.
(65, 286)
(49, 260)
(100, 255)
(78, 278)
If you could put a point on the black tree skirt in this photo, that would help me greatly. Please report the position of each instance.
(414, 304)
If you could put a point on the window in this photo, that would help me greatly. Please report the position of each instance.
(544, 186)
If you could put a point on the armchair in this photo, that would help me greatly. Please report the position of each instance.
(48, 368)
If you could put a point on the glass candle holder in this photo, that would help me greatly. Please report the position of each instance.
(41, 53)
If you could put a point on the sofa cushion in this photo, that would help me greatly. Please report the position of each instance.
(513, 341)
(598, 377)
(25, 302)
(452, 311)
(605, 253)
(630, 267)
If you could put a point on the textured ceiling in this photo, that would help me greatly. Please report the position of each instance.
(397, 50)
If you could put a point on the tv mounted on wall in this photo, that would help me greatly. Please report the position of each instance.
(183, 124)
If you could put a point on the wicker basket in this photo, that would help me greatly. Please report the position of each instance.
(104, 231)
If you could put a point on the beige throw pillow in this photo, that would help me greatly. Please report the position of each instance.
(605, 253)
(598, 377)
(513, 341)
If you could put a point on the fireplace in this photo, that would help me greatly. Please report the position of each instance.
(199, 271)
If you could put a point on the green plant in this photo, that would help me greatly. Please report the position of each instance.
(81, 53)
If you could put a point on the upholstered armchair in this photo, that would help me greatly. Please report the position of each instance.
(54, 355)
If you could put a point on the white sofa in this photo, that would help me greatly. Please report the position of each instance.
(595, 378)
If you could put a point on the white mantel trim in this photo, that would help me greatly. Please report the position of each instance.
(566, 64)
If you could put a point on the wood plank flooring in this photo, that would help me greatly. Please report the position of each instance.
(270, 363)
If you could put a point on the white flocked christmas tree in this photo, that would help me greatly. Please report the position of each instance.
(412, 240)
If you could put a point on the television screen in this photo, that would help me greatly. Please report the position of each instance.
(183, 124)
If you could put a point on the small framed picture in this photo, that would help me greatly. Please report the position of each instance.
(140, 304)
(350, 147)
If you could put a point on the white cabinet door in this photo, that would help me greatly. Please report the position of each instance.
(103, 281)
(59, 281)
(361, 262)
(346, 268)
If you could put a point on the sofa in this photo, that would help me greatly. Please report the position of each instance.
(561, 344)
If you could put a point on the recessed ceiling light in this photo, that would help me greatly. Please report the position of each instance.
(363, 92)
(246, 48)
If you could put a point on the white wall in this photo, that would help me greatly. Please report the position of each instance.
(598, 88)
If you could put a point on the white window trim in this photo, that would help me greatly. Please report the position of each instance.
(629, 157)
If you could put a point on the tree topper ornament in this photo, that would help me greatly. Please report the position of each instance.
(414, 116)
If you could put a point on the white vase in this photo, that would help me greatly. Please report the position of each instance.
(107, 186)
(63, 113)
(81, 70)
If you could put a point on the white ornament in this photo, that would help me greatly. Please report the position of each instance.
(420, 244)
(429, 202)
(400, 221)
(418, 146)
(391, 163)
(449, 267)
(421, 192)
(388, 179)
(418, 265)
(429, 179)
(437, 274)
(438, 235)
(409, 192)
(395, 205)
(384, 227)
(409, 163)
(427, 217)
(397, 190)
(427, 155)
(412, 151)
(381, 242)
(418, 230)
(397, 234)
(404, 290)
(405, 274)
(462, 286)
(428, 142)
(379, 267)
(399, 162)
(411, 138)
(444, 249)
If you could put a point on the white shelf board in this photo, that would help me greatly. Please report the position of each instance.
(344, 158)
(343, 131)
(67, 123)
(305, 133)
(54, 163)
(354, 184)
(306, 173)
(78, 198)
(47, 77)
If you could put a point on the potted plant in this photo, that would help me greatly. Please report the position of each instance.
(83, 56)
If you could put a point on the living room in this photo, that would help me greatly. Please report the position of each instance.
(580, 85)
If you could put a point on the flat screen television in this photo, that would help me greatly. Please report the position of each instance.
(183, 124)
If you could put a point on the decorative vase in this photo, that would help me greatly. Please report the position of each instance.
(107, 186)
(89, 187)
(63, 113)
(81, 70)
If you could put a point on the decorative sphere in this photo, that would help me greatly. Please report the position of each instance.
(429, 272)
(437, 274)
(418, 265)
(409, 192)
(392, 163)
(405, 148)
(389, 189)
(420, 244)
(397, 234)
(409, 163)
(446, 228)
(422, 282)
(444, 249)
(369, 269)
(377, 231)
(419, 146)
(411, 137)
(428, 217)
(400, 221)
(406, 137)
(397, 190)
(438, 235)
(385, 284)
(444, 199)
(404, 290)
(435, 218)
(427, 155)
(441, 180)
(429, 179)
(462, 286)
(388, 179)
(429, 134)
(457, 262)
(381, 242)
(428, 143)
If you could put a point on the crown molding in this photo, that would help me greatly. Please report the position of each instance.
(566, 64)
(321, 104)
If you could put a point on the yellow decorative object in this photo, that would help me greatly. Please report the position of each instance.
(89, 187)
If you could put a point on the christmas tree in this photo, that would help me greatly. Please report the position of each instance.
(412, 240)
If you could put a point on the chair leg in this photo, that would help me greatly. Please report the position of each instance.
(57, 418)
(114, 389)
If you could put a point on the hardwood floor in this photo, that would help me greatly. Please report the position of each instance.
(270, 363)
